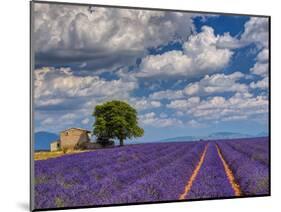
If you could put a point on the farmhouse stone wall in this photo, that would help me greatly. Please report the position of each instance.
(70, 138)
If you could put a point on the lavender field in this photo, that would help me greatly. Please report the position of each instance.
(153, 173)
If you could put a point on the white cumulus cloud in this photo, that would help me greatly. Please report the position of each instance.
(151, 119)
(201, 55)
(73, 34)
(208, 85)
(261, 84)
(219, 108)
(217, 83)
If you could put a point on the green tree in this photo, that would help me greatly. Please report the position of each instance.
(116, 120)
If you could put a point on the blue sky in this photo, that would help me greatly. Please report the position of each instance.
(186, 74)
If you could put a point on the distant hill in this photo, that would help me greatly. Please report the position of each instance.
(227, 135)
(262, 134)
(182, 138)
(43, 140)
(212, 136)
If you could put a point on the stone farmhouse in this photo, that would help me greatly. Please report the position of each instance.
(70, 139)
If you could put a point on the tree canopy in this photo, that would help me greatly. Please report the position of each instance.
(116, 120)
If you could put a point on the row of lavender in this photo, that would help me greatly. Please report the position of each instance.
(249, 161)
(256, 149)
(211, 181)
(137, 173)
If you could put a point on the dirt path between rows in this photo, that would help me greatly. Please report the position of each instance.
(235, 186)
(229, 174)
(194, 174)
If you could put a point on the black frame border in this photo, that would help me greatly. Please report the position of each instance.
(31, 111)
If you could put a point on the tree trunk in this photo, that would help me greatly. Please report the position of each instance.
(121, 142)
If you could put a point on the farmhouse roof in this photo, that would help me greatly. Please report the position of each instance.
(76, 128)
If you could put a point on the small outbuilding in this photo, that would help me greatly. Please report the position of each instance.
(71, 139)
(55, 146)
